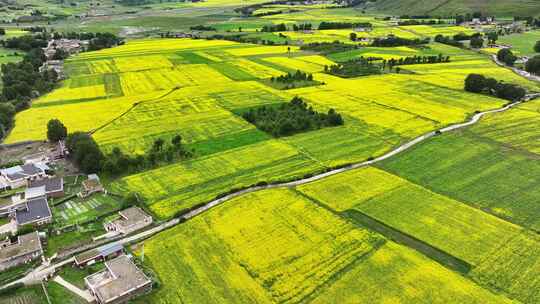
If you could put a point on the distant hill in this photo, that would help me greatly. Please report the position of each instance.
(506, 8)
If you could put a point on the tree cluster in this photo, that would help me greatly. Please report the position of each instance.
(533, 65)
(448, 41)
(291, 78)
(325, 25)
(26, 42)
(477, 83)
(2, 31)
(291, 118)
(355, 67)
(397, 41)
(274, 28)
(506, 56)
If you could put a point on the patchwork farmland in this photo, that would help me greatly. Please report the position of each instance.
(255, 146)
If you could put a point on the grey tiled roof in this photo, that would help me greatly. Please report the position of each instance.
(51, 184)
(36, 209)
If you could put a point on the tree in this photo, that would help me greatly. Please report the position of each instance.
(177, 141)
(537, 46)
(506, 56)
(85, 152)
(475, 83)
(353, 36)
(492, 37)
(158, 144)
(56, 130)
(533, 65)
(477, 42)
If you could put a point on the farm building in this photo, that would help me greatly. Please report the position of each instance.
(131, 219)
(98, 254)
(27, 248)
(90, 186)
(121, 281)
(33, 211)
(19, 176)
(52, 187)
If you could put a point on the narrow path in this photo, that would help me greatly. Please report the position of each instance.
(521, 73)
(76, 290)
(131, 109)
(46, 270)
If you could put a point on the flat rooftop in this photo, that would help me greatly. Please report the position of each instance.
(120, 277)
(25, 244)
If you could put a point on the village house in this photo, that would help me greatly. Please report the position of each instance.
(33, 211)
(50, 187)
(98, 254)
(70, 46)
(131, 220)
(19, 176)
(120, 282)
(26, 249)
(90, 186)
(55, 65)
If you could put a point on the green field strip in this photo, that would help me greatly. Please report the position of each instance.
(227, 142)
(434, 253)
(232, 71)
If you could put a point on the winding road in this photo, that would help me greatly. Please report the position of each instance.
(47, 270)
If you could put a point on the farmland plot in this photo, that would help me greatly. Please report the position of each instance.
(195, 118)
(462, 231)
(296, 64)
(476, 171)
(134, 83)
(255, 69)
(397, 274)
(266, 247)
(175, 187)
(31, 124)
(514, 268)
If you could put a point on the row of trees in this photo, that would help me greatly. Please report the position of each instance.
(477, 83)
(343, 25)
(302, 27)
(290, 118)
(118, 163)
(328, 47)
(86, 154)
(416, 60)
(397, 41)
(421, 22)
(274, 28)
